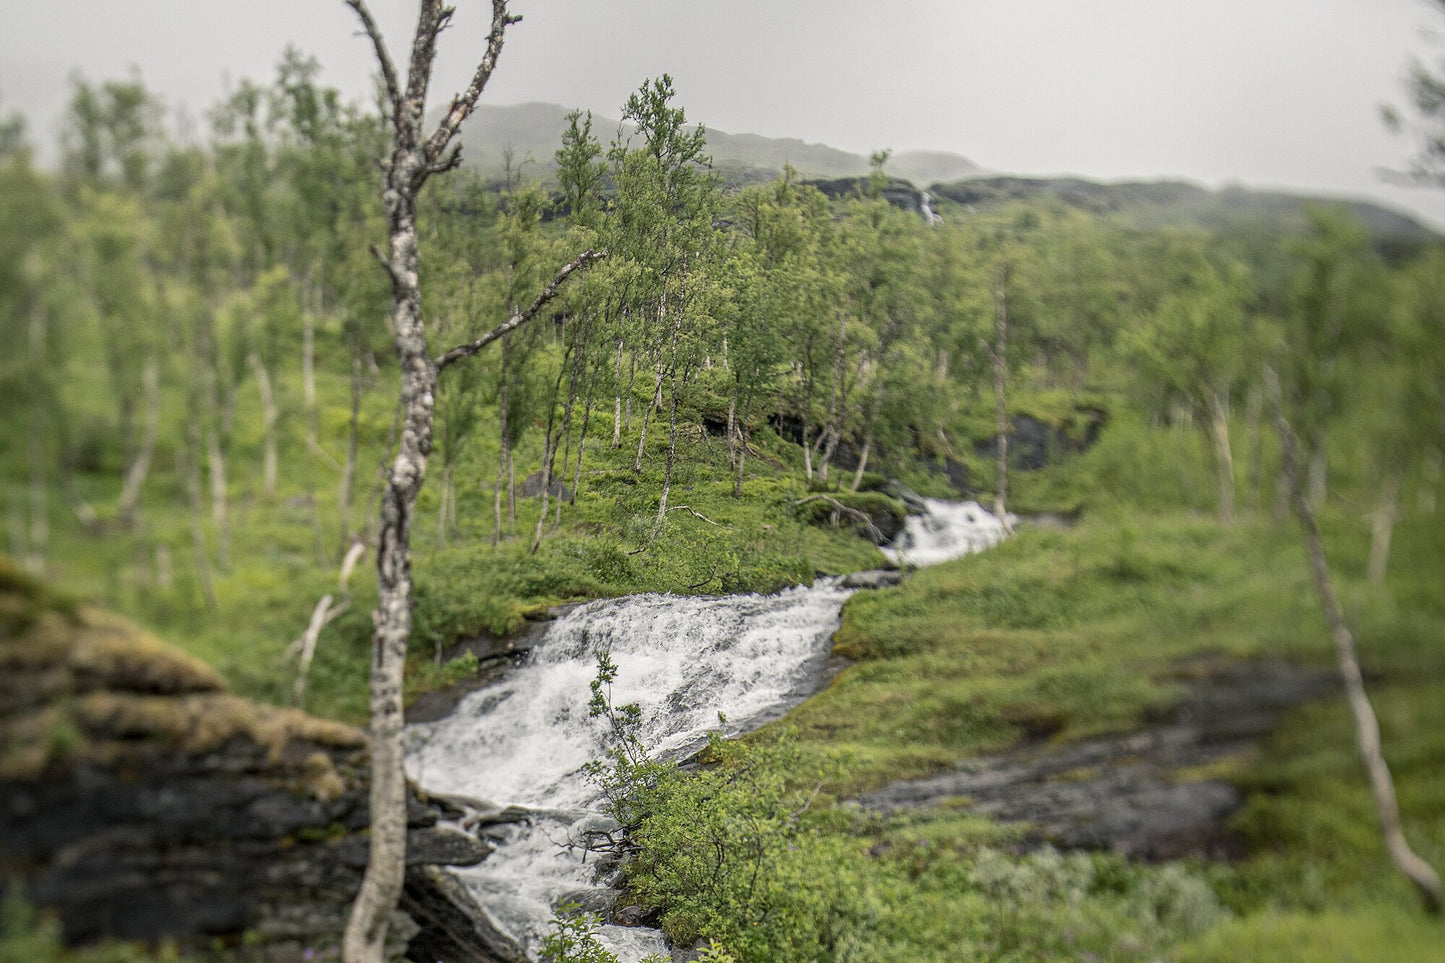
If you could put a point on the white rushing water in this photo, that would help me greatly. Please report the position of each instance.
(948, 530)
(682, 660)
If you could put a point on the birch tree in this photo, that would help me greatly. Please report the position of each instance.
(415, 156)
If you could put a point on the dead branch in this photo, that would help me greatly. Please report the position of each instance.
(517, 320)
(695, 514)
(383, 58)
(870, 530)
(326, 611)
(463, 103)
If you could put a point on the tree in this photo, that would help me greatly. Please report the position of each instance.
(414, 157)
(1326, 333)
(1195, 345)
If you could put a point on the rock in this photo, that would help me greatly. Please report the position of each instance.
(874, 579)
(914, 502)
(630, 916)
(140, 801)
(1131, 793)
(598, 902)
(1034, 443)
(532, 487)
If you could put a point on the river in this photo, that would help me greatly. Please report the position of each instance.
(687, 662)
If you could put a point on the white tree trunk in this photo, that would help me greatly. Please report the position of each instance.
(269, 414)
(140, 465)
(1223, 455)
(1382, 525)
(1367, 726)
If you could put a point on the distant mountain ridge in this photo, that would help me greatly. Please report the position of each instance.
(533, 132)
(1164, 204)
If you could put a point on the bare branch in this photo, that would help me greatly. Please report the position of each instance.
(450, 162)
(695, 514)
(861, 518)
(517, 320)
(463, 103)
(388, 69)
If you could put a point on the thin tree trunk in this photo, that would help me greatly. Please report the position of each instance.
(732, 431)
(1426, 491)
(999, 355)
(1254, 470)
(220, 509)
(1318, 476)
(443, 503)
(1382, 524)
(742, 454)
(189, 468)
(308, 378)
(617, 402)
(36, 447)
(647, 416)
(1367, 727)
(269, 414)
(582, 444)
(140, 465)
(671, 445)
(1223, 455)
(353, 441)
(863, 460)
(832, 432)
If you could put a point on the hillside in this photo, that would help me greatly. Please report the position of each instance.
(1159, 205)
(533, 131)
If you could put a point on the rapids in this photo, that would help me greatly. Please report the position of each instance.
(688, 662)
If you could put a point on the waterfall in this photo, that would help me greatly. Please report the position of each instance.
(683, 661)
(947, 530)
(925, 207)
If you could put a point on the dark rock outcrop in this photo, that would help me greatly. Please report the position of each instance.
(139, 800)
(532, 487)
(1151, 794)
(1034, 443)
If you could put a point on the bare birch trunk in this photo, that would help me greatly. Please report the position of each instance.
(269, 414)
(1367, 726)
(999, 356)
(617, 402)
(1254, 473)
(140, 465)
(353, 441)
(647, 416)
(671, 447)
(862, 461)
(308, 377)
(188, 467)
(1425, 492)
(413, 158)
(220, 509)
(1223, 455)
(36, 449)
(1382, 525)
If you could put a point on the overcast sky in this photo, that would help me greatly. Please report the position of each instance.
(1267, 93)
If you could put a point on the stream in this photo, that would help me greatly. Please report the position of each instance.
(518, 748)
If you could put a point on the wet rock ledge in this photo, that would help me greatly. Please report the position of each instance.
(141, 801)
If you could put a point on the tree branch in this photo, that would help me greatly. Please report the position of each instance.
(517, 320)
(463, 103)
(861, 518)
(388, 69)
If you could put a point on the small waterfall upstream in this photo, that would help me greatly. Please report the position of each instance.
(683, 660)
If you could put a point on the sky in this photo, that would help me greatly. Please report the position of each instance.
(1263, 93)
